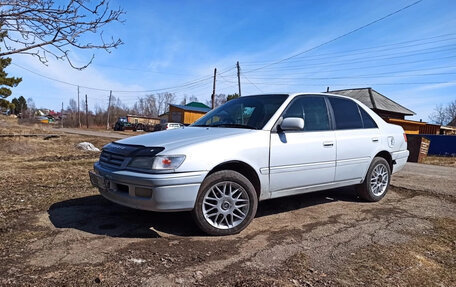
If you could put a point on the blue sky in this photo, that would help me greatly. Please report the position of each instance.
(409, 57)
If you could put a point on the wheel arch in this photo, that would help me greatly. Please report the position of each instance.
(383, 154)
(387, 156)
(243, 168)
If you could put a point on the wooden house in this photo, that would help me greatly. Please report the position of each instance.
(187, 114)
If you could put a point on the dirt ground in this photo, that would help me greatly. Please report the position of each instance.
(441, 160)
(56, 230)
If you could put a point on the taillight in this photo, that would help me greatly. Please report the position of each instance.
(405, 137)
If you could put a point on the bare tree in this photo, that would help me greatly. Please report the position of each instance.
(193, 98)
(184, 100)
(219, 100)
(438, 116)
(146, 106)
(451, 111)
(443, 115)
(73, 105)
(31, 108)
(170, 98)
(161, 103)
(42, 27)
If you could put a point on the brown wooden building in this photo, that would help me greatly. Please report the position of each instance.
(187, 114)
(383, 106)
(135, 119)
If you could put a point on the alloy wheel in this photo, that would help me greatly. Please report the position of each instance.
(225, 205)
(379, 180)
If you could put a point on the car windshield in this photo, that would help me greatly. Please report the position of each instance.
(251, 112)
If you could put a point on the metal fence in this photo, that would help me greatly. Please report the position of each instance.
(444, 145)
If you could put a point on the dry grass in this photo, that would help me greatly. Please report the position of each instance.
(37, 173)
(440, 160)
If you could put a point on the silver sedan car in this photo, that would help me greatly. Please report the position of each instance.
(251, 149)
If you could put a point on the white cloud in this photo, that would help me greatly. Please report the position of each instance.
(46, 92)
(435, 86)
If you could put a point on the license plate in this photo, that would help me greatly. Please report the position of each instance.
(98, 181)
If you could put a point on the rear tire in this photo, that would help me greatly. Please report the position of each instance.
(226, 203)
(376, 183)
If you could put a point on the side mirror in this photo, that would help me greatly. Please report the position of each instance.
(292, 124)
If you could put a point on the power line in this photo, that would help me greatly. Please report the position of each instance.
(378, 53)
(138, 70)
(347, 64)
(380, 75)
(338, 37)
(187, 84)
(362, 59)
(356, 84)
(372, 48)
(252, 84)
(368, 67)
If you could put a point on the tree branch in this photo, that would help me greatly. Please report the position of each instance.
(43, 25)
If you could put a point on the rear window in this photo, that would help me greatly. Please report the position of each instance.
(346, 114)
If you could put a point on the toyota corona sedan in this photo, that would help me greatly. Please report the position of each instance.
(251, 149)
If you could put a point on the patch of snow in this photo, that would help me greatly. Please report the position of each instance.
(87, 146)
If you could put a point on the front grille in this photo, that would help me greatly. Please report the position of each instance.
(111, 158)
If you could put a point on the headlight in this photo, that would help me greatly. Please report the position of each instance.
(160, 162)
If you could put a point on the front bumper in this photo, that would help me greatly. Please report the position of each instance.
(155, 192)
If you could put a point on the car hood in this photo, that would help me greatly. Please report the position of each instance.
(175, 138)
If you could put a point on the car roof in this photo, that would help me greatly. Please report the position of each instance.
(301, 94)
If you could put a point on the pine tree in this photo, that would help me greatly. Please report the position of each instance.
(4, 80)
(20, 105)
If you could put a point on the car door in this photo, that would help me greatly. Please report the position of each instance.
(303, 158)
(357, 138)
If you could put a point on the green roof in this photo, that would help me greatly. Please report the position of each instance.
(197, 105)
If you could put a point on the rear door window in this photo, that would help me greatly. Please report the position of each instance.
(346, 114)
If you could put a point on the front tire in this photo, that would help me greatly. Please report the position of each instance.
(226, 203)
(377, 180)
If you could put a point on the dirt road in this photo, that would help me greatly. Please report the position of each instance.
(56, 230)
(93, 133)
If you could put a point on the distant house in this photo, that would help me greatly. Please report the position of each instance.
(197, 105)
(163, 118)
(186, 114)
(136, 119)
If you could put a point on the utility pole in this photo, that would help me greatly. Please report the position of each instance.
(87, 113)
(79, 112)
(61, 116)
(213, 89)
(239, 77)
(109, 110)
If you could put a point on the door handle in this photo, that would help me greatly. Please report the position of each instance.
(375, 139)
(328, 144)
